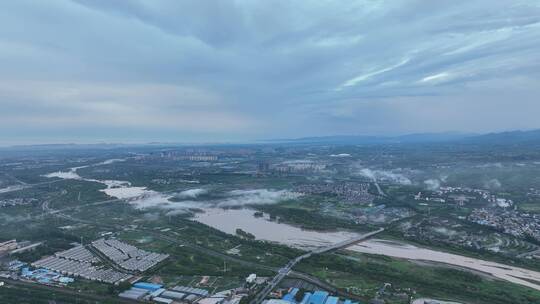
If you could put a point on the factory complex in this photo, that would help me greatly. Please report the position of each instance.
(109, 261)
(158, 294)
(127, 256)
(316, 297)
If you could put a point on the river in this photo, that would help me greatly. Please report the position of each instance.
(114, 188)
(228, 220)
(406, 251)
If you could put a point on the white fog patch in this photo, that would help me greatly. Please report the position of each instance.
(12, 188)
(492, 184)
(114, 188)
(490, 165)
(432, 184)
(384, 175)
(71, 174)
(142, 198)
(234, 198)
(152, 200)
(257, 197)
(125, 192)
(340, 155)
(177, 212)
(192, 193)
(111, 161)
(445, 231)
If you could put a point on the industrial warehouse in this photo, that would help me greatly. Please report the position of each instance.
(317, 297)
(127, 256)
(81, 262)
(72, 267)
(156, 293)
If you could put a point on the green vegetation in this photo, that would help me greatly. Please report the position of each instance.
(245, 235)
(307, 219)
(40, 294)
(227, 259)
(363, 274)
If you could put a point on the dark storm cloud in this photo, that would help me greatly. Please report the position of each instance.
(196, 70)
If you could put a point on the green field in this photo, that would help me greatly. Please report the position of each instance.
(364, 274)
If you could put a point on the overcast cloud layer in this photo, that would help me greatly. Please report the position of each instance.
(132, 71)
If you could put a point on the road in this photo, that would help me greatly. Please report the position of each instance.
(281, 272)
(381, 193)
(27, 186)
(76, 294)
(208, 251)
(323, 285)
(529, 253)
(164, 237)
(104, 202)
(284, 271)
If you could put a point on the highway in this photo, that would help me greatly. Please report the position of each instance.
(281, 272)
(47, 210)
(163, 237)
(284, 271)
(381, 193)
(529, 253)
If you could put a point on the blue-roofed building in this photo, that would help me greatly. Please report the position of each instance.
(318, 297)
(306, 297)
(65, 280)
(290, 296)
(331, 300)
(147, 286)
(347, 302)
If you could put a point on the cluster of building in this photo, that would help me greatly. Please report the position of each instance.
(17, 202)
(461, 195)
(14, 247)
(452, 232)
(298, 167)
(533, 192)
(80, 262)
(169, 181)
(317, 297)
(20, 270)
(200, 158)
(420, 197)
(189, 156)
(513, 222)
(127, 256)
(8, 246)
(45, 276)
(78, 253)
(155, 292)
(349, 192)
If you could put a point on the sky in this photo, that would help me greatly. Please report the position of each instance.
(198, 71)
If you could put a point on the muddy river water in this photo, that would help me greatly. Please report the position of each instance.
(228, 220)
(262, 228)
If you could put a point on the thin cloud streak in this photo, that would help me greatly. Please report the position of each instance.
(240, 70)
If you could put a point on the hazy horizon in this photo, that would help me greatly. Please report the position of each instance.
(190, 71)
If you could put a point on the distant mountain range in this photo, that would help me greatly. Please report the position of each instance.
(510, 137)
